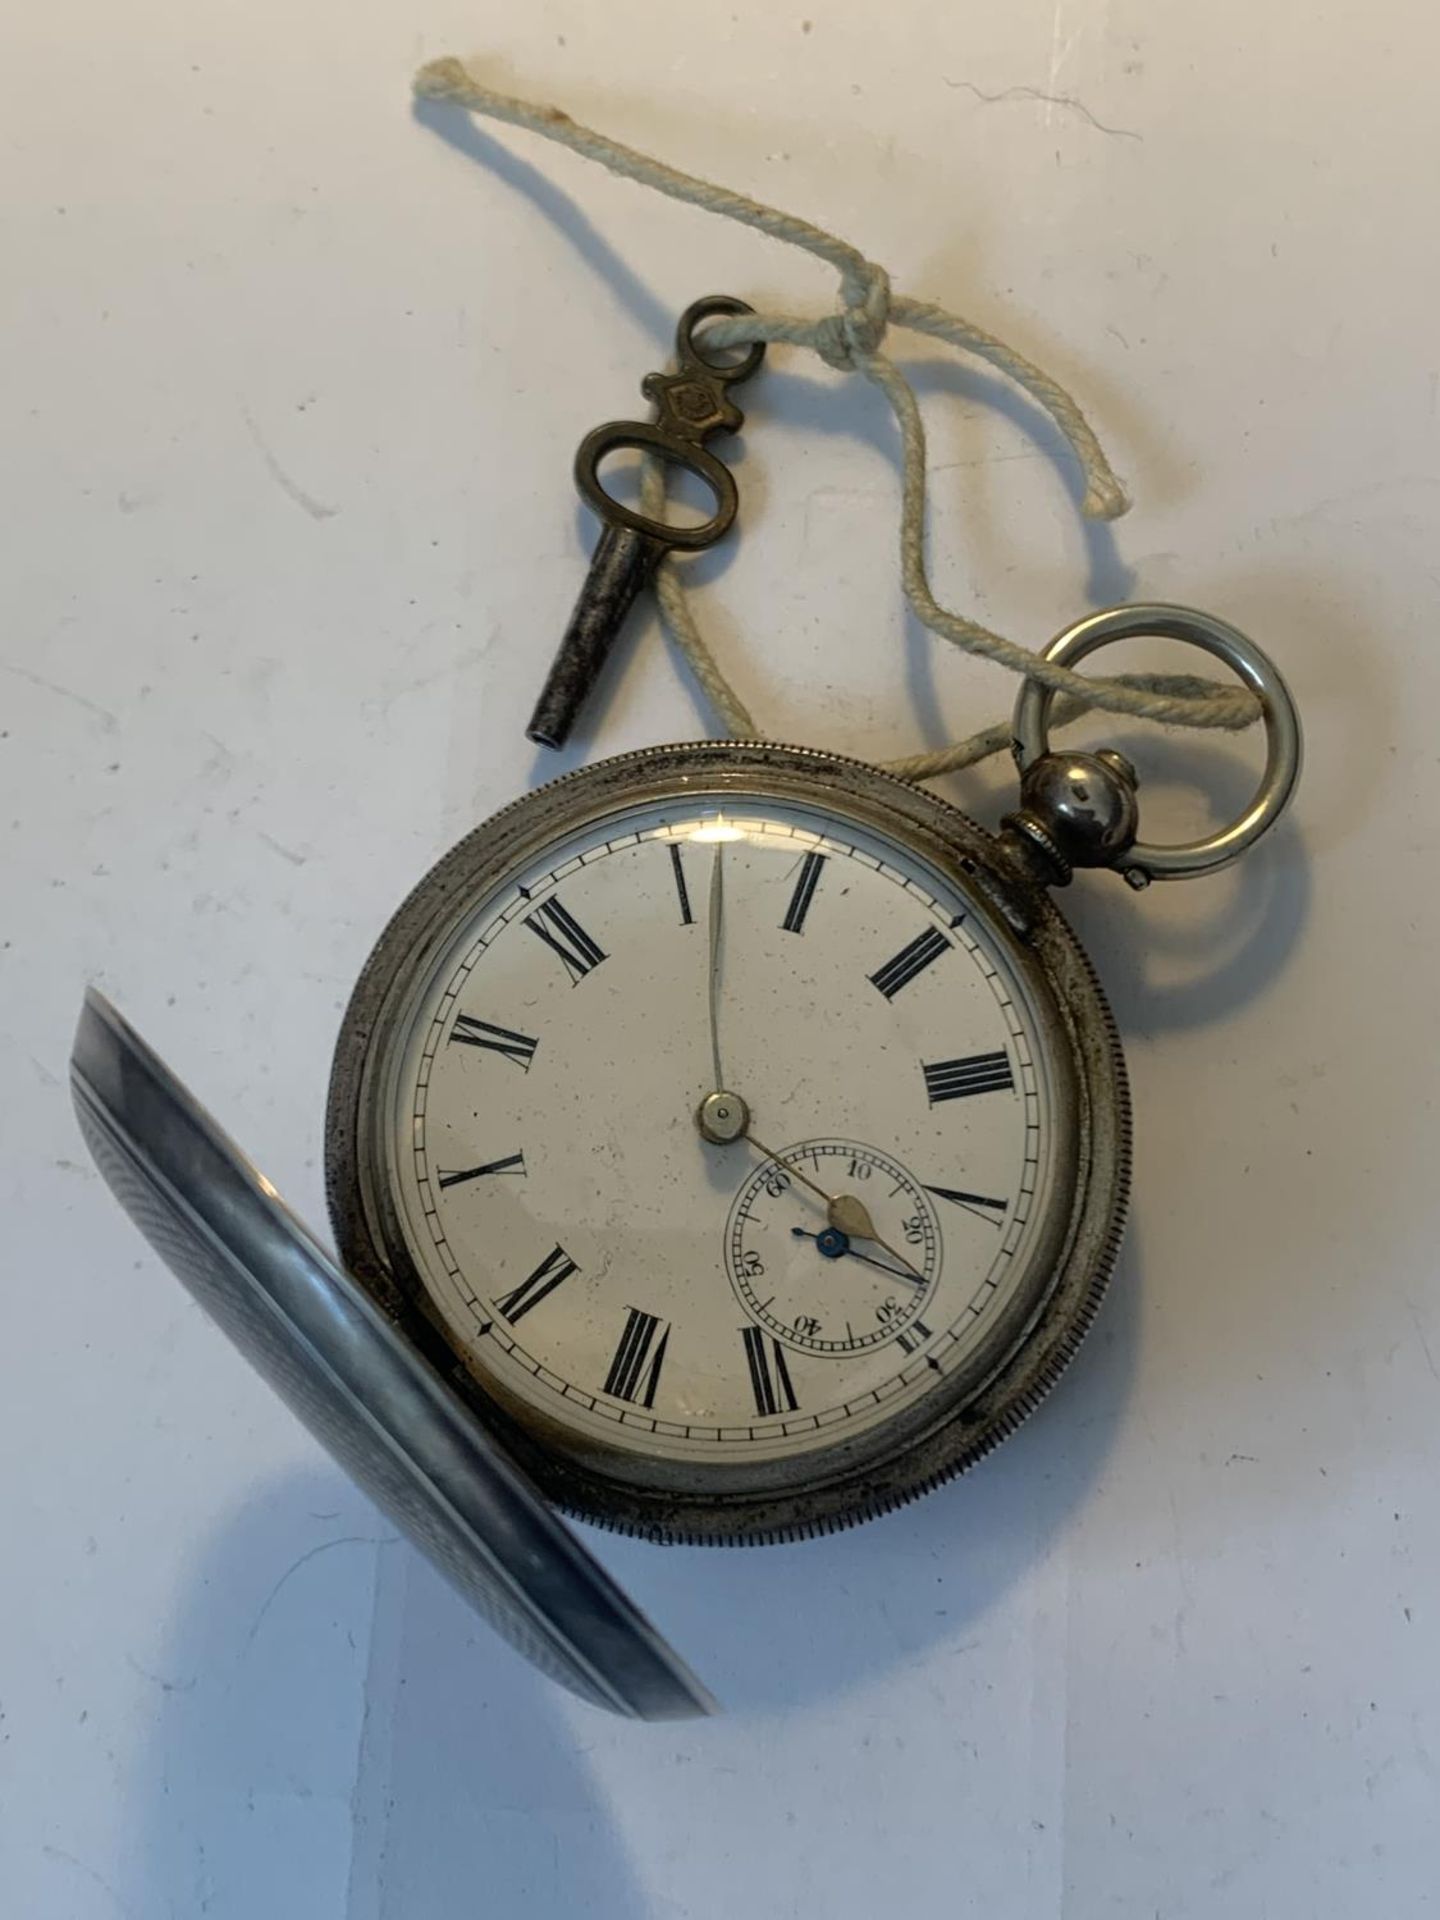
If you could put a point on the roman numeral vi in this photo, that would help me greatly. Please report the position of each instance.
(769, 1375)
(635, 1370)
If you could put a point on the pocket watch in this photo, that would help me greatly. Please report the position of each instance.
(743, 1132)
(725, 1143)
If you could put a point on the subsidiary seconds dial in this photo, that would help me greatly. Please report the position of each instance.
(816, 1285)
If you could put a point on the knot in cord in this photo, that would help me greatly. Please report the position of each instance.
(847, 339)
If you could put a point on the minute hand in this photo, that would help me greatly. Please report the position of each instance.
(714, 930)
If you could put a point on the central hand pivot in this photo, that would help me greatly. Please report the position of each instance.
(722, 1118)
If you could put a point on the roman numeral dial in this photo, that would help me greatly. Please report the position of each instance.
(648, 1290)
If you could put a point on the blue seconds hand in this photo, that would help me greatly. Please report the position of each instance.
(832, 1243)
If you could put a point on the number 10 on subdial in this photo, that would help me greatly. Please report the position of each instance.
(820, 1289)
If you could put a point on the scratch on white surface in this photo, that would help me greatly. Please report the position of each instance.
(1059, 53)
(220, 763)
(1350, 496)
(286, 853)
(159, 1680)
(1182, 1575)
(988, 460)
(826, 494)
(818, 494)
(1066, 100)
(1420, 1336)
(102, 714)
(1048, 1768)
(358, 1807)
(307, 502)
(325, 1546)
(453, 667)
(97, 1879)
(371, 1801)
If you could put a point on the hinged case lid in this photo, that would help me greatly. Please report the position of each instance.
(357, 1383)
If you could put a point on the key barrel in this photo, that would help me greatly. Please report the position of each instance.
(623, 563)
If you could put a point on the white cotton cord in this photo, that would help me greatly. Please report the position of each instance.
(999, 736)
(850, 340)
(679, 621)
(735, 716)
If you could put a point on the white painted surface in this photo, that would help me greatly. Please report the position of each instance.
(291, 389)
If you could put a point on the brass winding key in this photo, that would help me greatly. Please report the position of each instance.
(690, 405)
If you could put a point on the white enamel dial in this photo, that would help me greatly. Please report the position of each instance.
(646, 1291)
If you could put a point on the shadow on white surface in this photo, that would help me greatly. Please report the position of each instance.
(474, 1795)
(338, 1736)
(317, 1755)
(462, 133)
(781, 1629)
(308, 1763)
(1229, 940)
(241, 1798)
